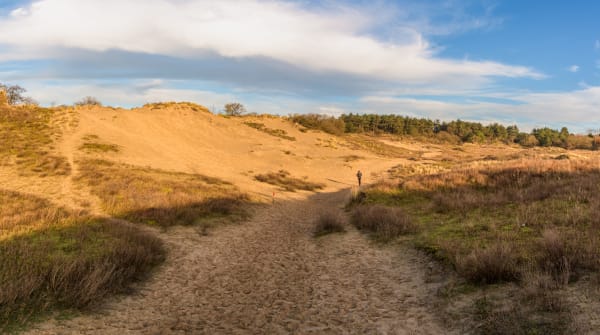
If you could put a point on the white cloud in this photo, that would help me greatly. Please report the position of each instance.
(573, 68)
(126, 94)
(19, 12)
(319, 40)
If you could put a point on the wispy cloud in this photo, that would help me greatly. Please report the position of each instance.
(573, 68)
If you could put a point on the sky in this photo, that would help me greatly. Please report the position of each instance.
(530, 63)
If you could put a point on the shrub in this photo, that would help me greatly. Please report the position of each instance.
(329, 222)
(554, 258)
(496, 263)
(386, 223)
(88, 101)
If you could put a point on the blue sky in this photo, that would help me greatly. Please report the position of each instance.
(526, 62)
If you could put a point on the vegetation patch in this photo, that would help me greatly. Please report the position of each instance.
(159, 197)
(374, 145)
(52, 259)
(176, 105)
(92, 144)
(329, 222)
(385, 223)
(467, 214)
(531, 222)
(286, 182)
(324, 123)
(273, 132)
(27, 135)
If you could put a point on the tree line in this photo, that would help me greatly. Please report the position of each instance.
(455, 132)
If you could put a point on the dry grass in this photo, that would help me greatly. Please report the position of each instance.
(528, 204)
(177, 105)
(386, 223)
(27, 135)
(329, 222)
(161, 198)
(99, 147)
(52, 259)
(273, 132)
(92, 144)
(496, 263)
(532, 222)
(374, 145)
(286, 182)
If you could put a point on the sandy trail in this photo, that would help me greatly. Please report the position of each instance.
(270, 276)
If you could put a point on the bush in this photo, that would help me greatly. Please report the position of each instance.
(554, 258)
(88, 101)
(496, 263)
(329, 222)
(328, 124)
(386, 223)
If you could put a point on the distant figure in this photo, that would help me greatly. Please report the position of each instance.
(359, 176)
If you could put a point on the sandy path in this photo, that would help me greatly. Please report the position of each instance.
(269, 276)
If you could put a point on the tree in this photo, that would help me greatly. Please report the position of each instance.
(14, 95)
(234, 109)
(88, 101)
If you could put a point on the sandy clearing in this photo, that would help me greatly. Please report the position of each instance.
(269, 276)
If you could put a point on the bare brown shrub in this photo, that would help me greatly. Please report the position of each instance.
(331, 221)
(496, 263)
(555, 258)
(386, 223)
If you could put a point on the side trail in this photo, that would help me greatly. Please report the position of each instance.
(270, 276)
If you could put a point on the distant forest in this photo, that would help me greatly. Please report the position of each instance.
(455, 132)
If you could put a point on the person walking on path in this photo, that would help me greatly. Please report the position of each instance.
(359, 176)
